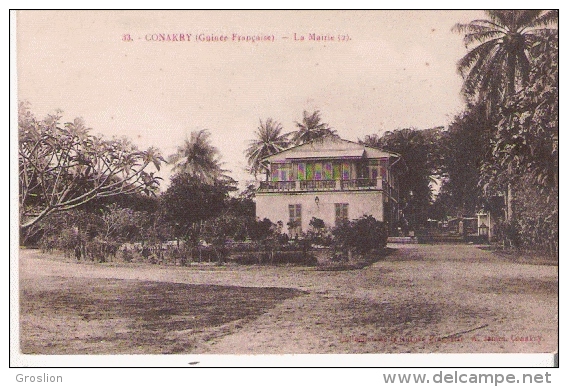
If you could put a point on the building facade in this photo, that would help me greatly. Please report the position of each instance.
(330, 179)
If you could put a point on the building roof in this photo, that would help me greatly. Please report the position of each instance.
(329, 148)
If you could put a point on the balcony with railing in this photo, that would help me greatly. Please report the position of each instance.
(363, 184)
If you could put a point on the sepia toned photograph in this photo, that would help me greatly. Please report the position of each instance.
(285, 182)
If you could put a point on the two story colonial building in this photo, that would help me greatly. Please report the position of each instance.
(330, 179)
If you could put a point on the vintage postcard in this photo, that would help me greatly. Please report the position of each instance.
(203, 186)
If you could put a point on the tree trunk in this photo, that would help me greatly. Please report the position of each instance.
(509, 215)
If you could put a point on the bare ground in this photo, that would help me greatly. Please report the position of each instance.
(418, 299)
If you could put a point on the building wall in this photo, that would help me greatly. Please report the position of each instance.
(274, 206)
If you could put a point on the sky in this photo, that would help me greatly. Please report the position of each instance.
(383, 70)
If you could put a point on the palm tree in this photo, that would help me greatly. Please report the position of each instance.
(269, 140)
(198, 158)
(499, 64)
(311, 128)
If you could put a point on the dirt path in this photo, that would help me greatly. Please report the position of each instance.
(421, 298)
(418, 300)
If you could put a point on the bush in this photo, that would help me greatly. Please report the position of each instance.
(294, 258)
(360, 235)
(241, 247)
(127, 255)
(259, 230)
(207, 253)
(319, 234)
(535, 224)
(100, 250)
(536, 218)
(250, 257)
(279, 257)
(507, 233)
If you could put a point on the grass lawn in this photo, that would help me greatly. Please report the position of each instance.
(84, 316)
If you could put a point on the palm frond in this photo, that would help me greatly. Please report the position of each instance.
(489, 24)
(526, 18)
(477, 26)
(492, 81)
(198, 158)
(311, 128)
(540, 33)
(504, 18)
(481, 37)
(500, 63)
(471, 58)
(269, 140)
(548, 18)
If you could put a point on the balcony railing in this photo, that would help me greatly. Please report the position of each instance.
(321, 185)
(317, 185)
(358, 184)
(275, 186)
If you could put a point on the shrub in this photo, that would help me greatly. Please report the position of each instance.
(100, 250)
(294, 257)
(260, 229)
(126, 254)
(536, 215)
(507, 233)
(360, 235)
(250, 257)
(317, 224)
(319, 234)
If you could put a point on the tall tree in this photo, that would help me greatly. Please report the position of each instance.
(415, 147)
(198, 158)
(525, 147)
(62, 167)
(188, 201)
(311, 128)
(499, 64)
(526, 137)
(463, 150)
(269, 140)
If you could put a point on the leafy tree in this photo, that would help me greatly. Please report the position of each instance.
(259, 230)
(499, 63)
(249, 193)
(311, 128)
(154, 228)
(119, 224)
(63, 230)
(219, 230)
(526, 138)
(199, 159)
(416, 148)
(240, 206)
(372, 140)
(136, 202)
(269, 140)
(62, 167)
(242, 209)
(188, 202)
(463, 149)
(524, 152)
(91, 234)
